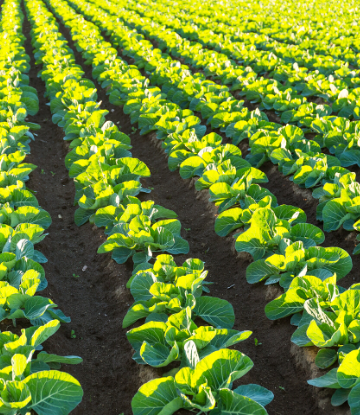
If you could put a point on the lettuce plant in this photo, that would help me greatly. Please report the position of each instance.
(28, 382)
(159, 342)
(269, 234)
(331, 324)
(344, 378)
(136, 232)
(168, 289)
(242, 191)
(205, 385)
(294, 260)
(195, 165)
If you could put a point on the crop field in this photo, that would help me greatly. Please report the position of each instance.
(180, 210)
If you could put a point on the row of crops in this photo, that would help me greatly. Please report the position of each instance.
(270, 89)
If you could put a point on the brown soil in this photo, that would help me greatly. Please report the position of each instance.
(98, 300)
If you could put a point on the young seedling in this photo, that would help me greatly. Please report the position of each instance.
(73, 335)
(42, 171)
(133, 130)
(282, 388)
(76, 276)
(53, 174)
(187, 229)
(257, 343)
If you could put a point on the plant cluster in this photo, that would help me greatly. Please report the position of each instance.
(219, 108)
(30, 380)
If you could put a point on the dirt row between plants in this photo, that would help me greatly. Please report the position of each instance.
(98, 300)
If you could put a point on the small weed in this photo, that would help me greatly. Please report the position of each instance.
(76, 276)
(133, 130)
(187, 229)
(282, 388)
(207, 250)
(257, 343)
(53, 174)
(73, 335)
(42, 171)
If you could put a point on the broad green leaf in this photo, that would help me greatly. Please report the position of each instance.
(325, 358)
(216, 311)
(155, 397)
(221, 368)
(234, 404)
(53, 392)
(329, 380)
(288, 303)
(255, 392)
(348, 374)
(340, 396)
(354, 400)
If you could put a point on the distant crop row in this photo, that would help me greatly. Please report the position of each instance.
(30, 379)
(334, 185)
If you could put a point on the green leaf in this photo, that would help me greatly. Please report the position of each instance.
(181, 246)
(15, 396)
(18, 363)
(227, 338)
(216, 311)
(157, 396)
(140, 286)
(325, 358)
(329, 380)
(53, 358)
(300, 337)
(354, 400)
(192, 166)
(228, 221)
(44, 332)
(255, 392)
(340, 396)
(158, 355)
(220, 368)
(82, 216)
(288, 303)
(35, 307)
(53, 392)
(348, 374)
(234, 404)
(334, 214)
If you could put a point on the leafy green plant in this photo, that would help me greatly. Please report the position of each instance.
(294, 260)
(205, 385)
(163, 340)
(138, 233)
(268, 234)
(167, 289)
(31, 383)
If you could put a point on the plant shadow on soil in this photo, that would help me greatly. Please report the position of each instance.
(97, 300)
